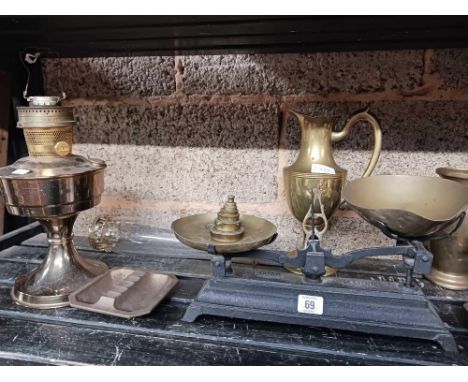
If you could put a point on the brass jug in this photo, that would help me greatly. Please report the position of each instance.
(450, 264)
(316, 169)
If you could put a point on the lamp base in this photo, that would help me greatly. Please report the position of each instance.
(62, 272)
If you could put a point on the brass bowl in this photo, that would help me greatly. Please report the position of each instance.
(410, 207)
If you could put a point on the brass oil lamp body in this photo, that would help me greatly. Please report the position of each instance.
(316, 169)
(53, 186)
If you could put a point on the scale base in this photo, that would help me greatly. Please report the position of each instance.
(345, 304)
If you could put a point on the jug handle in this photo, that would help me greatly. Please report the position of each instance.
(366, 117)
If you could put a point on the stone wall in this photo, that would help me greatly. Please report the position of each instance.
(181, 133)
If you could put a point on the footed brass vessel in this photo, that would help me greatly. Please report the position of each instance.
(450, 264)
(315, 167)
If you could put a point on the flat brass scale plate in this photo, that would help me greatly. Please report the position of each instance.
(194, 231)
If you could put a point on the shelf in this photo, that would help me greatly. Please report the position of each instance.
(73, 336)
(81, 36)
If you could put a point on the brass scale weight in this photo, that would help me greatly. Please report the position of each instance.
(408, 209)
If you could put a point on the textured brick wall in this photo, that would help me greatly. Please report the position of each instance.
(180, 133)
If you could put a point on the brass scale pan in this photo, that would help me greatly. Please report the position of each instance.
(408, 207)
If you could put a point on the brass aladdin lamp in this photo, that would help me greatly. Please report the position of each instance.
(53, 186)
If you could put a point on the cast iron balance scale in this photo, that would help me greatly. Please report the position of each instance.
(399, 207)
(408, 209)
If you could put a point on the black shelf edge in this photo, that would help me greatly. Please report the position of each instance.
(82, 36)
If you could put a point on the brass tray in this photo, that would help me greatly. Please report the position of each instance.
(124, 292)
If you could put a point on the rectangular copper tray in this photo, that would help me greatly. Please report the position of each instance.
(124, 292)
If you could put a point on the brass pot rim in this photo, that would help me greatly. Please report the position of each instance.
(453, 172)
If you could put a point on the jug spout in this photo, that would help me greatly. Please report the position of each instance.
(304, 118)
(300, 117)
